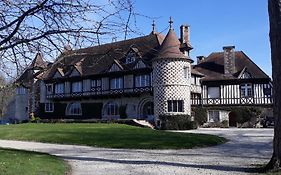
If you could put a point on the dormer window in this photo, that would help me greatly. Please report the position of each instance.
(131, 57)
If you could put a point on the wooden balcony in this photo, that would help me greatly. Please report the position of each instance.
(98, 93)
(256, 101)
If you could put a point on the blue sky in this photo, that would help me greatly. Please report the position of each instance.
(214, 24)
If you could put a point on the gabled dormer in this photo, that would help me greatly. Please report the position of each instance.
(132, 55)
(116, 66)
(244, 74)
(59, 73)
(140, 64)
(74, 71)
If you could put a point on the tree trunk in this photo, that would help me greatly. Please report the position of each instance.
(274, 10)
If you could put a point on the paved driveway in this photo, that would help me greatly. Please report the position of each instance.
(246, 148)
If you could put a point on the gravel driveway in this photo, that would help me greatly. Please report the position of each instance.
(246, 148)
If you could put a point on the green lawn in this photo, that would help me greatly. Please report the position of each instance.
(106, 135)
(30, 163)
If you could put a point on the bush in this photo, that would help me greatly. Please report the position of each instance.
(246, 114)
(177, 122)
(200, 115)
(224, 124)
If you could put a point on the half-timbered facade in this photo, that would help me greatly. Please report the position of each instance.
(146, 77)
(231, 78)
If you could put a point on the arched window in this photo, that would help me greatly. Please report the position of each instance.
(111, 108)
(74, 109)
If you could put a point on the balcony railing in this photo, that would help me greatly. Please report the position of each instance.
(267, 100)
(99, 92)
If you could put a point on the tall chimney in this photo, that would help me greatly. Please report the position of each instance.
(185, 33)
(229, 60)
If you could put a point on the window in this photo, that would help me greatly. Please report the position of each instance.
(131, 57)
(193, 79)
(59, 88)
(175, 105)
(213, 116)
(21, 90)
(246, 90)
(267, 91)
(49, 88)
(112, 109)
(76, 86)
(74, 109)
(116, 83)
(186, 72)
(95, 85)
(142, 80)
(49, 107)
(213, 92)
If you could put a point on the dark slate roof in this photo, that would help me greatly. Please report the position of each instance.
(39, 64)
(170, 47)
(98, 59)
(213, 67)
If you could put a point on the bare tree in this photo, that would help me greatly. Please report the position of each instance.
(7, 91)
(274, 9)
(49, 25)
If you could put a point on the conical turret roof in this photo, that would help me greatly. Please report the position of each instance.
(170, 47)
(38, 62)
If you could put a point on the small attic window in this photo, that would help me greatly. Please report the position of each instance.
(246, 75)
(131, 57)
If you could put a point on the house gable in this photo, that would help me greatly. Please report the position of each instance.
(140, 64)
(74, 72)
(244, 74)
(58, 74)
(115, 67)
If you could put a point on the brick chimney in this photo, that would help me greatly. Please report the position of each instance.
(185, 34)
(229, 60)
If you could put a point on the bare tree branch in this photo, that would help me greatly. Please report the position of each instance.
(51, 24)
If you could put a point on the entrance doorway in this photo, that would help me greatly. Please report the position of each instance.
(148, 109)
(232, 119)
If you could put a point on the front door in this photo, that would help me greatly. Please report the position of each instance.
(148, 109)
(232, 119)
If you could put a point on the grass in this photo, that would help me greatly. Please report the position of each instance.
(107, 135)
(30, 163)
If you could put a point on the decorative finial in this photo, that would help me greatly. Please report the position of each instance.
(153, 27)
(171, 23)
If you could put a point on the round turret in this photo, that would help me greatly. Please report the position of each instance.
(171, 78)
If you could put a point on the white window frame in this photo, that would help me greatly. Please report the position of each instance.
(142, 80)
(74, 109)
(186, 73)
(246, 90)
(116, 83)
(49, 107)
(76, 86)
(59, 88)
(175, 105)
(213, 115)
